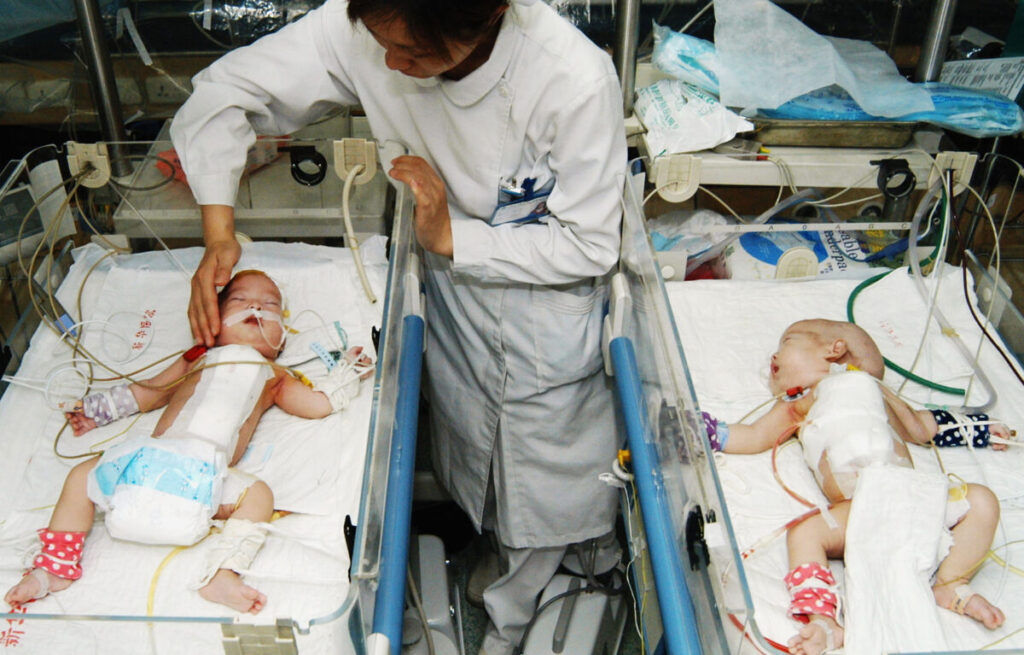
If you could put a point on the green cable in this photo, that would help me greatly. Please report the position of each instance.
(895, 367)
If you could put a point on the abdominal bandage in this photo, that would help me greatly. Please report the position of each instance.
(848, 428)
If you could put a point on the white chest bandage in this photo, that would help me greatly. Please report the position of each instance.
(848, 425)
(229, 386)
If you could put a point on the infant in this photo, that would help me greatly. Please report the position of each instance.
(166, 488)
(809, 353)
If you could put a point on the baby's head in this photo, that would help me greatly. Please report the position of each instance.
(247, 291)
(808, 348)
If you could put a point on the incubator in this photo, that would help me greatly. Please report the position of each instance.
(348, 477)
(708, 529)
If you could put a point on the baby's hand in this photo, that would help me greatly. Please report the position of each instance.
(79, 422)
(1002, 436)
(363, 363)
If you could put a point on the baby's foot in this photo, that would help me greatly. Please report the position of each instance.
(34, 584)
(813, 638)
(966, 602)
(227, 588)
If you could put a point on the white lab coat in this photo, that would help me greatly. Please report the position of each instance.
(513, 347)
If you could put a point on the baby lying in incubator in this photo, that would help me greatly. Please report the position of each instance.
(165, 489)
(826, 376)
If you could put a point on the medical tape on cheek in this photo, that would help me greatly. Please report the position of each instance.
(261, 314)
(812, 591)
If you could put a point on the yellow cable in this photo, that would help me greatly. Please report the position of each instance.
(156, 575)
(177, 549)
(1000, 640)
(92, 449)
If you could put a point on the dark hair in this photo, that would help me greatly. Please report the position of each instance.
(432, 24)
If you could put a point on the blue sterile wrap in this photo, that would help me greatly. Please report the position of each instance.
(968, 111)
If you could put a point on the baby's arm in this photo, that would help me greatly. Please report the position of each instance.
(329, 395)
(762, 434)
(123, 400)
(297, 399)
(943, 428)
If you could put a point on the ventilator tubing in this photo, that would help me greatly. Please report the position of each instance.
(233, 548)
(848, 429)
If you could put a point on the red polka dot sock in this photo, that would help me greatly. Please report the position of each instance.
(61, 553)
(812, 591)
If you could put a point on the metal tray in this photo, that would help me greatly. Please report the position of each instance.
(838, 134)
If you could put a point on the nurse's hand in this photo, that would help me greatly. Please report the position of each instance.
(221, 255)
(432, 221)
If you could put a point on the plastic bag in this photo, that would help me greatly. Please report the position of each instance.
(681, 117)
(768, 57)
(685, 229)
(686, 58)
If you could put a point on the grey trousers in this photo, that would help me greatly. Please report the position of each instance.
(511, 600)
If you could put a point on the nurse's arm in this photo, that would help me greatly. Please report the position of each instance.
(219, 258)
(432, 221)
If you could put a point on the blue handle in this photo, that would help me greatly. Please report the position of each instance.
(389, 602)
(677, 615)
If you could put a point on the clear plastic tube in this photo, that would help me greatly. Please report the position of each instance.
(719, 248)
(919, 281)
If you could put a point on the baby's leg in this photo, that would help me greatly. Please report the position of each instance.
(972, 538)
(56, 567)
(235, 547)
(814, 597)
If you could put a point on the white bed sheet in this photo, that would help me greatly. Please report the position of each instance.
(728, 330)
(314, 467)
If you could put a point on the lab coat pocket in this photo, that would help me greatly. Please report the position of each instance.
(566, 323)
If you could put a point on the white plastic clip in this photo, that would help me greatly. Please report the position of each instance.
(620, 304)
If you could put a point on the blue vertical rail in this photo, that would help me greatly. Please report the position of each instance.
(389, 601)
(677, 614)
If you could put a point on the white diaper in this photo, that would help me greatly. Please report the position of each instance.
(158, 491)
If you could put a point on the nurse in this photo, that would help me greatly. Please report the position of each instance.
(512, 120)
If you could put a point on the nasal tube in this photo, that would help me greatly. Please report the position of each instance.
(259, 314)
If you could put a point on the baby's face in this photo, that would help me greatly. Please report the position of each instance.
(252, 292)
(801, 360)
